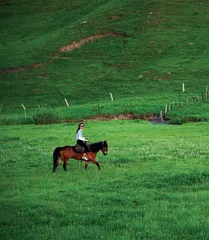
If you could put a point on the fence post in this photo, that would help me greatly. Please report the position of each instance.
(169, 107)
(24, 109)
(161, 116)
(183, 87)
(111, 96)
(66, 102)
(166, 108)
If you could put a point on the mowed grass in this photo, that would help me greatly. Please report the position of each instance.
(153, 183)
(160, 45)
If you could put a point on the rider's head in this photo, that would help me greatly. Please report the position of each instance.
(80, 126)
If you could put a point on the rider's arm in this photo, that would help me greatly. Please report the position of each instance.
(79, 136)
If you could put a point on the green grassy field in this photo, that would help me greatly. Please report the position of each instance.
(159, 45)
(153, 183)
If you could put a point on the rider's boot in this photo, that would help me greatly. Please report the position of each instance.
(84, 158)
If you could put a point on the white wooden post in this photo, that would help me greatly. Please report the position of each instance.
(166, 108)
(66, 102)
(183, 87)
(111, 96)
(161, 116)
(24, 109)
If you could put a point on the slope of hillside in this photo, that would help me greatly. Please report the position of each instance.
(148, 49)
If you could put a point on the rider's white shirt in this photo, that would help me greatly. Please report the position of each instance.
(79, 135)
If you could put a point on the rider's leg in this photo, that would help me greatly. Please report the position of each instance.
(84, 157)
(86, 147)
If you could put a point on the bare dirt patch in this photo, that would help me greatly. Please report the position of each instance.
(151, 117)
(22, 68)
(78, 44)
(65, 48)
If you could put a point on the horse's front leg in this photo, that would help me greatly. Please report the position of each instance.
(96, 163)
(86, 164)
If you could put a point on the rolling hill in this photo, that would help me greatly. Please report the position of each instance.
(141, 52)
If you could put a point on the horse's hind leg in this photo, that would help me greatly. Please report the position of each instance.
(56, 158)
(65, 165)
(56, 164)
(86, 165)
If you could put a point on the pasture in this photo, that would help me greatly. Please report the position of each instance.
(153, 184)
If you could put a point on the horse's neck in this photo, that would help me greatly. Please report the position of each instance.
(95, 147)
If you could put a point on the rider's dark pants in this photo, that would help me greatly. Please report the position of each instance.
(84, 145)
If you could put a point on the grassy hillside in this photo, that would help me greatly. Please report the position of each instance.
(155, 46)
(153, 183)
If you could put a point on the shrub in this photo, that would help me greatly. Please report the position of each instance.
(176, 121)
(44, 115)
(20, 121)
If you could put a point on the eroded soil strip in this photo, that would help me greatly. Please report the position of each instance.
(66, 48)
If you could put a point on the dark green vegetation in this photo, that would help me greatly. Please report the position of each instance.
(154, 187)
(155, 47)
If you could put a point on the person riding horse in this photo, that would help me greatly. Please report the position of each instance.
(63, 154)
(82, 141)
(80, 151)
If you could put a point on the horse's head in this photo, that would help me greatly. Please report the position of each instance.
(104, 147)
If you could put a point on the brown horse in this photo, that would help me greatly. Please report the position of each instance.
(65, 153)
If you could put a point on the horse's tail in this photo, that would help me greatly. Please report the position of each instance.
(56, 155)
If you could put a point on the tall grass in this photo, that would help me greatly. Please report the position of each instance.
(153, 183)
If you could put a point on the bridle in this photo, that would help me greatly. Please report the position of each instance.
(104, 149)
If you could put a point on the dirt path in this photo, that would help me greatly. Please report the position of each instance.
(65, 48)
(78, 44)
(22, 68)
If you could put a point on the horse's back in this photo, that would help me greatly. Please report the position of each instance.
(78, 148)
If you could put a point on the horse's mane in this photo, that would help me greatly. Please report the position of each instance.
(97, 146)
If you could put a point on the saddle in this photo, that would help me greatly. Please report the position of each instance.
(78, 149)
